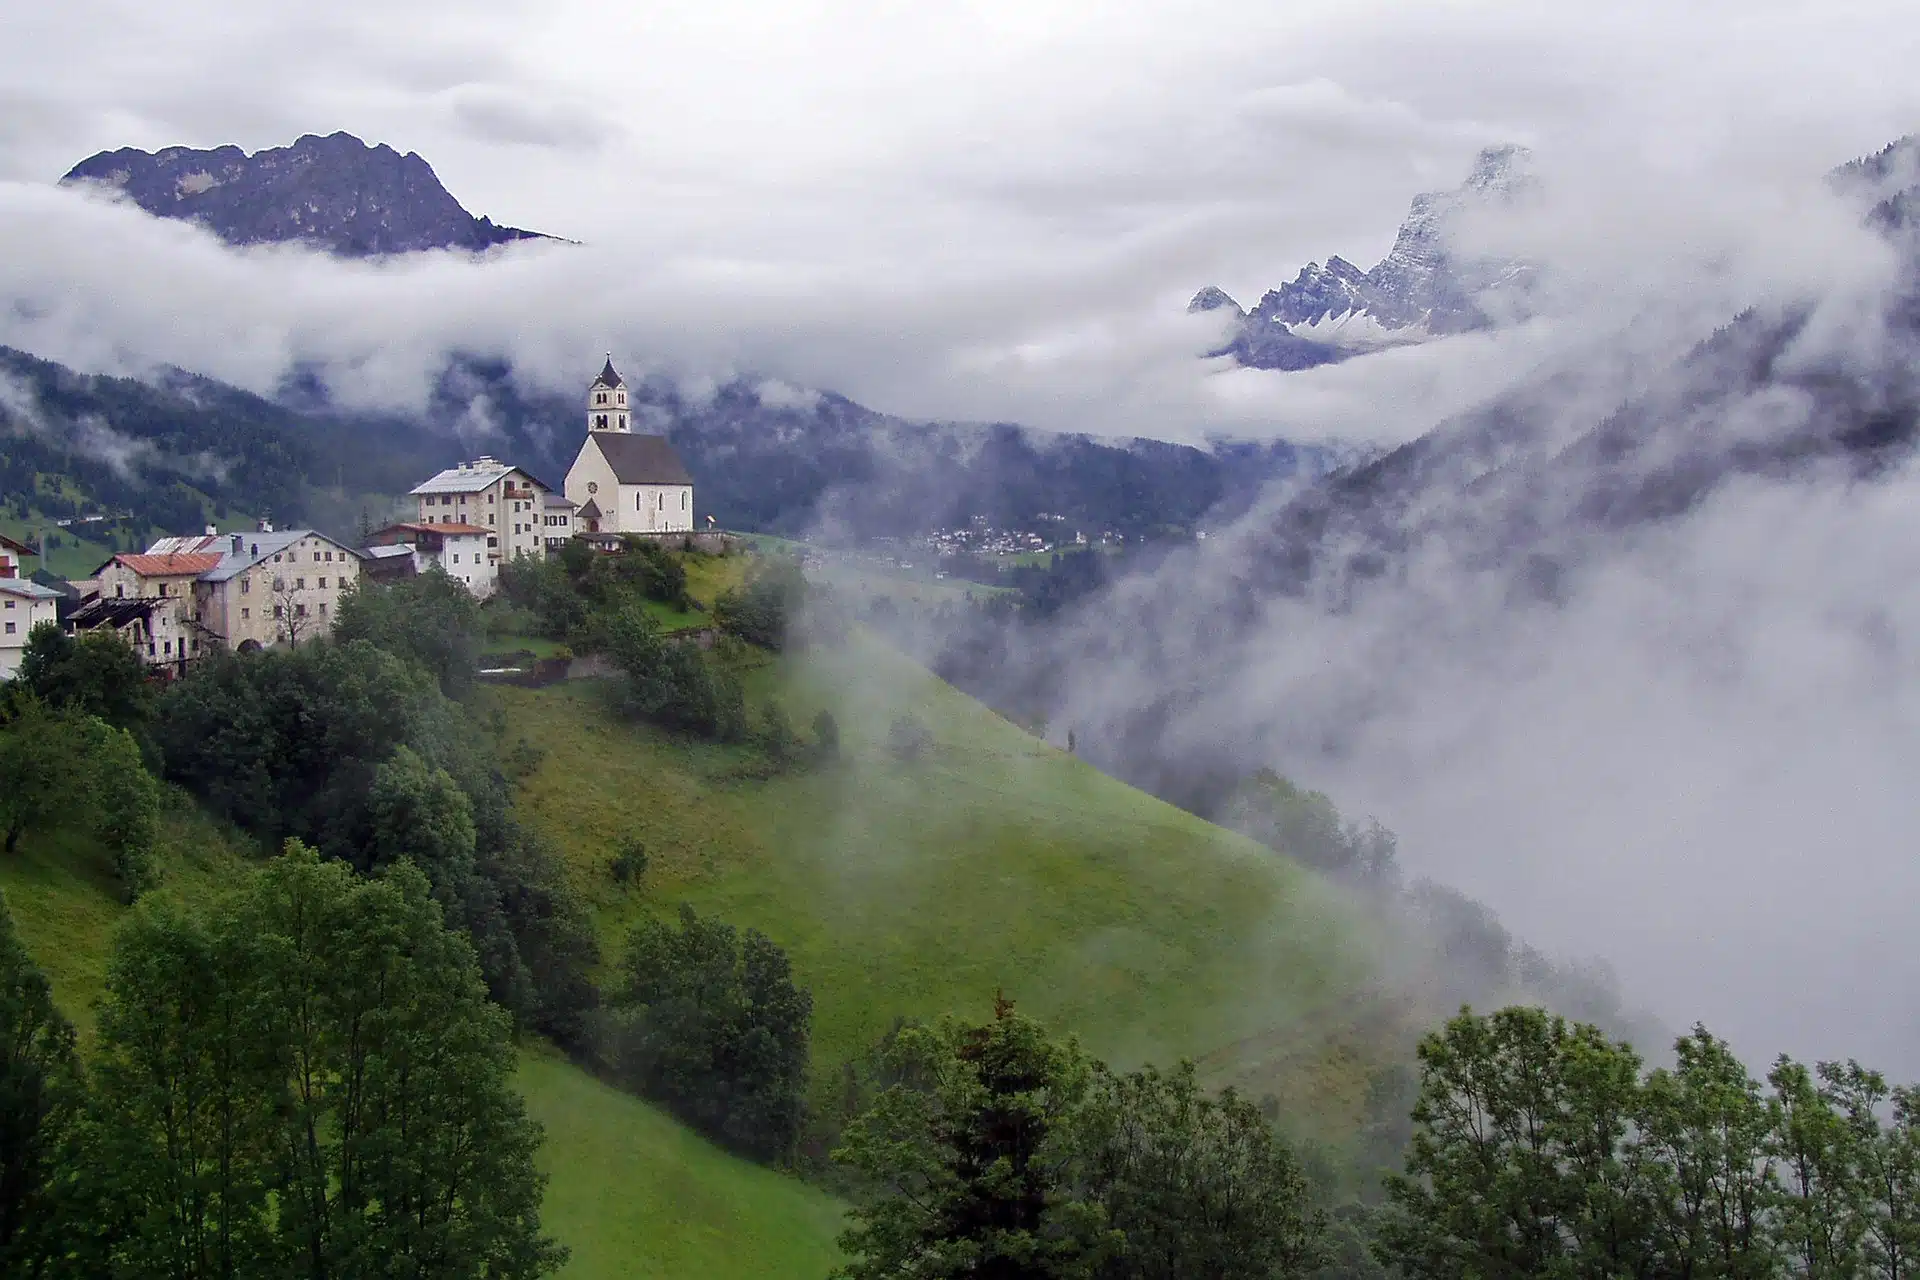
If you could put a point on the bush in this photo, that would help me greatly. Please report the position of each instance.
(908, 738)
(826, 737)
(709, 1023)
(764, 611)
(629, 865)
(671, 683)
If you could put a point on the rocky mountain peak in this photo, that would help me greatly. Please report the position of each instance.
(1214, 298)
(1421, 289)
(335, 193)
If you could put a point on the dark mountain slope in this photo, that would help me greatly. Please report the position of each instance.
(334, 193)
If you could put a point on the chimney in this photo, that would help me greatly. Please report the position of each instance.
(213, 531)
(266, 525)
(236, 544)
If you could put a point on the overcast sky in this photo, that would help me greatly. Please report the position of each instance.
(969, 210)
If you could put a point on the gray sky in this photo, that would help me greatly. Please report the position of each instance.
(984, 210)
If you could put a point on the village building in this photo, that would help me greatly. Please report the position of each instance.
(12, 556)
(557, 526)
(622, 481)
(459, 550)
(168, 634)
(274, 588)
(509, 503)
(24, 605)
(130, 619)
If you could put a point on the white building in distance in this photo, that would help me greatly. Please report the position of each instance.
(622, 482)
(503, 499)
(460, 550)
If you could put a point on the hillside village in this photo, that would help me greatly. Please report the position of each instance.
(188, 595)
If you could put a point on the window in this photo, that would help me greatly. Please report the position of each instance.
(323, 584)
(169, 648)
(599, 421)
(166, 588)
(246, 613)
(493, 542)
(601, 398)
(663, 502)
(299, 611)
(12, 627)
(456, 557)
(323, 609)
(279, 584)
(119, 591)
(276, 557)
(9, 604)
(683, 499)
(279, 611)
(246, 586)
(299, 584)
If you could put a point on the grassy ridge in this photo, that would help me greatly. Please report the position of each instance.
(994, 862)
(634, 1194)
(631, 1192)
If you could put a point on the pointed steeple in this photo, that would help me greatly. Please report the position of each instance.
(607, 401)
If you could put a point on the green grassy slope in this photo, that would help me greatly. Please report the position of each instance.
(916, 888)
(632, 1193)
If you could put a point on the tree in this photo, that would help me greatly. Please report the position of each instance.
(711, 1025)
(1703, 1138)
(309, 1080)
(1822, 1215)
(1517, 1165)
(40, 1097)
(417, 811)
(97, 674)
(430, 620)
(40, 759)
(1199, 1186)
(670, 683)
(123, 800)
(970, 1157)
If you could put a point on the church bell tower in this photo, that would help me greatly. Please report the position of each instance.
(607, 401)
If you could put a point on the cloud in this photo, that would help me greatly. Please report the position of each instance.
(997, 210)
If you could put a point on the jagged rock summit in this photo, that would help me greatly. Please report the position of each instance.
(1423, 288)
(334, 193)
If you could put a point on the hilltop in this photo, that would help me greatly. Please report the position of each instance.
(335, 193)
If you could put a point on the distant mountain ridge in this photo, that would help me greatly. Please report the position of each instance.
(1423, 288)
(335, 193)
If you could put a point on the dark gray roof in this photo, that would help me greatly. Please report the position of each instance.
(641, 459)
(608, 377)
(591, 511)
(114, 613)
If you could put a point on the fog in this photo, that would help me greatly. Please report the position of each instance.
(1698, 767)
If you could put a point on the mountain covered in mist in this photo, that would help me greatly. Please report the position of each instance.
(334, 193)
(1424, 288)
(177, 449)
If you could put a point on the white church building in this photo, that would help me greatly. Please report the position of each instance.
(623, 482)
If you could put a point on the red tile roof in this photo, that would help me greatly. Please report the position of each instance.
(169, 566)
(454, 528)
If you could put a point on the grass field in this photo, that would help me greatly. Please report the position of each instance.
(912, 888)
(631, 1192)
(634, 1194)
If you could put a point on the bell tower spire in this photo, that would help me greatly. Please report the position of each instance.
(607, 401)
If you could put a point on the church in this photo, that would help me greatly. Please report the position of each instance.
(622, 482)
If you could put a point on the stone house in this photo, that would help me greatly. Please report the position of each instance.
(169, 636)
(274, 588)
(509, 503)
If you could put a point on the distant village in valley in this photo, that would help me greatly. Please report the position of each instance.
(187, 595)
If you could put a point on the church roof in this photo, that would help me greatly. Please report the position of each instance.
(641, 459)
(591, 511)
(609, 377)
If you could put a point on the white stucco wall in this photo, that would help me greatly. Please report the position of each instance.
(607, 409)
(18, 618)
(655, 508)
(591, 479)
(464, 558)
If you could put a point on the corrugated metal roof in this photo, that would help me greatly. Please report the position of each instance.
(27, 587)
(196, 544)
(261, 546)
(168, 566)
(472, 477)
(387, 553)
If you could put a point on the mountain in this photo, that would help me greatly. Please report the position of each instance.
(1423, 288)
(334, 193)
(169, 454)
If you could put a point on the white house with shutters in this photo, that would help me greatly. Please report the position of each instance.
(506, 501)
(622, 481)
